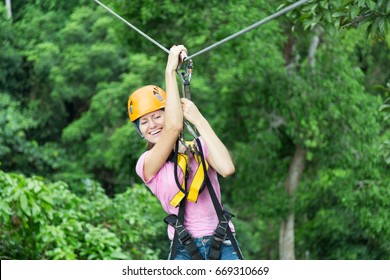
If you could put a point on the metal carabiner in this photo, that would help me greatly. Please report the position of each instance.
(185, 75)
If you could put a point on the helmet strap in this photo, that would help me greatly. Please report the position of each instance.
(136, 125)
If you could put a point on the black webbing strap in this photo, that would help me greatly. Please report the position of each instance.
(175, 241)
(218, 207)
(185, 238)
(221, 232)
(181, 234)
(219, 237)
(175, 161)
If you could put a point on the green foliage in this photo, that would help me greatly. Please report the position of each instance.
(41, 220)
(344, 218)
(384, 149)
(17, 151)
(68, 67)
(339, 14)
(11, 60)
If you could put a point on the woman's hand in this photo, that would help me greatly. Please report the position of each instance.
(176, 55)
(190, 111)
(218, 157)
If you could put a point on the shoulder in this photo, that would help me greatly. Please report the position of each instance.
(140, 168)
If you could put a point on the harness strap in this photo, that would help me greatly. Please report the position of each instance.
(217, 205)
(222, 231)
(175, 241)
(182, 160)
(185, 237)
(198, 182)
(219, 237)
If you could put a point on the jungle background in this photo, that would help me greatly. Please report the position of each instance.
(302, 103)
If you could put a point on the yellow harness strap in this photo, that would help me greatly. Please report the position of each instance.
(182, 162)
(196, 184)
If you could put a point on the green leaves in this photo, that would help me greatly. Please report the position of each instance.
(50, 222)
(68, 67)
(334, 15)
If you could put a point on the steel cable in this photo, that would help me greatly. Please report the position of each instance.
(132, 26)
(245, 30)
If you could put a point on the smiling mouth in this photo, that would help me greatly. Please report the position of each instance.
(155, 132)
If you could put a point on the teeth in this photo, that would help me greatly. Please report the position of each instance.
(155, 132)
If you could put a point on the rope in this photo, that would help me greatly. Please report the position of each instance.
(135, 28)
(239, 33)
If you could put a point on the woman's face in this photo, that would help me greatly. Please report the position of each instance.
(151, 125)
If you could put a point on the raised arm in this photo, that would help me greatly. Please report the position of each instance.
(218, 157)
(173, 118)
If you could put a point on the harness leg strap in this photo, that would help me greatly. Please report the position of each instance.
(185, 237)
(219, 237)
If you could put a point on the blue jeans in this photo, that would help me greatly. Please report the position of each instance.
(203, 244)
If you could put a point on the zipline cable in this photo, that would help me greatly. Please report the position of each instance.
(245, 30)
(257, 24)
(132, 26)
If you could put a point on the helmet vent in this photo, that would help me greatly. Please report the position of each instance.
(159, 97)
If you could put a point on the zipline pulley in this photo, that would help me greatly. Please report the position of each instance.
(184, 70)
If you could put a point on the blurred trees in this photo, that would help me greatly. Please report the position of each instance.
(311, 84)
(41, 220)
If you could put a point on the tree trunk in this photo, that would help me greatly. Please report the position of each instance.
(286, 234)
(297, 166)
(314, 42)
(9, 9)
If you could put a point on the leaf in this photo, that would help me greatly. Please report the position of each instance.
(4, 208)
(281, 6)
(361, 3)
(24, 204)
(338, 14)
(355, 11)
(35, 210)
(384, 107)
(381, 25)
(118, 255)
(371, 5)
(47, 199)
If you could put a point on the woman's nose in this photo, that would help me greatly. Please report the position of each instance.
(153, 123)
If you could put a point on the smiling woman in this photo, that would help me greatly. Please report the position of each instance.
(170, 167)
(151, 125)
(144, 101)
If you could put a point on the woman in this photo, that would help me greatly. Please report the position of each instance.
(158, 117)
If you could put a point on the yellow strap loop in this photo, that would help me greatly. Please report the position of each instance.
(196, 184)
(182, 160)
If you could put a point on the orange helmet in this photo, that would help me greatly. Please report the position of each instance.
(145, 100)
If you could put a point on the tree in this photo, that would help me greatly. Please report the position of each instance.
(300, 87)
(9, 8)
(322, 10)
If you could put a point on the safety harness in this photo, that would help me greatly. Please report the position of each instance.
(222, 231)
(191, 193)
